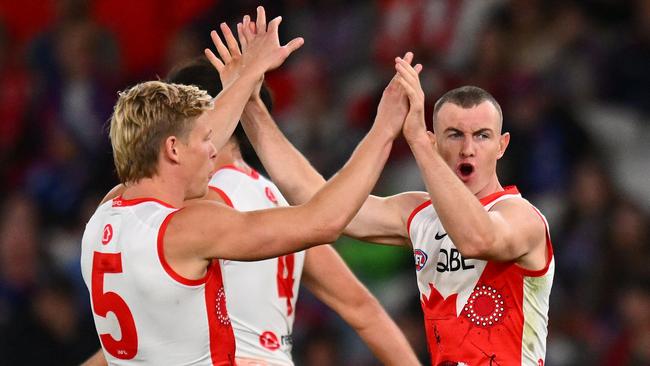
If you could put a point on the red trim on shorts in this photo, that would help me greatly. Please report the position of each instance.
(122, 202)
(161, 256)
(421, 207)
(491, 197)
(253, 173)
(223, 196)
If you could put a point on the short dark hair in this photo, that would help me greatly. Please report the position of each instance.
(466, 96)
(200, 73)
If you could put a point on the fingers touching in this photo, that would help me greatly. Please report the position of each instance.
(408, 77)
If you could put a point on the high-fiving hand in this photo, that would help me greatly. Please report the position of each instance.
(260, 48)
(394, 104)
(409, 80)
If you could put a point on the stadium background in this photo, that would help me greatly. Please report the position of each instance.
(573, 78)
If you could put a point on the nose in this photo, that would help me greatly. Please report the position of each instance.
(213, 152)
(468, 149)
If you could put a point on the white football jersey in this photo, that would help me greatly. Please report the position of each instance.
(144, 312)
(479, 312)
(261, 295)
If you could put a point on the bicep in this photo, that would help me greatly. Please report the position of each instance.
(226, 233)
(518, 231)
(379, 220)
(383, 220)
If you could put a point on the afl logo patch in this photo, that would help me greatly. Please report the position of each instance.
(108, 234)
(269, 341)
(420, 259)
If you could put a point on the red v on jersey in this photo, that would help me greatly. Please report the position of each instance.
(476, 311)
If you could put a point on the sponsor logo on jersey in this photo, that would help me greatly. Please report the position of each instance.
(420, 259)
(451, 261)
(440, 236)
(269, 341)
(270, 195)
(108, 234)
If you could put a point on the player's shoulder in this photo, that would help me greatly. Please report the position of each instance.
(522, 214)
(409, 201)
(407, 204)
(196, 216)
(516, 204)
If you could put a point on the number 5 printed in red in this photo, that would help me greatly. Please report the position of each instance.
(103, 302)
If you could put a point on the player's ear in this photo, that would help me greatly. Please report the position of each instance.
(171, 149)
(504, 140)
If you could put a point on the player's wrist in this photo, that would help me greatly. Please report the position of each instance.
(252, 72)
(383, 132)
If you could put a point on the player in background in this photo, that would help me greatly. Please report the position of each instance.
(150, 262)
(483, 255)
(262, 295)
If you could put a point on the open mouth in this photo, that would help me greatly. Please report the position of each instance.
(465, 170)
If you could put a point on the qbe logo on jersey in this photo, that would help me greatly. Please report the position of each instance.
(420, 259)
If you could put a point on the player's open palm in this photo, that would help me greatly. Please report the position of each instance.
(230, 62)
(261, 43)
(260, 48)
(409, 79)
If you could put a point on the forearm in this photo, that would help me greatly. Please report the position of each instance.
(381, 334)
(331, 281)
(288, 168)
(229, 105)
(460, 212)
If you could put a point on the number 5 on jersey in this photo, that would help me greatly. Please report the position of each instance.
(103, 302)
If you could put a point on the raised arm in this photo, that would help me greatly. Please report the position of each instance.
(226, 233)
(511, 230)
(326, 276)
(263, 53)
(380, 220)
(287, 167)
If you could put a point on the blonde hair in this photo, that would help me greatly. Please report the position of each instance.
(144, 116)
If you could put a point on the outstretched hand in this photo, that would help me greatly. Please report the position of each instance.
(394, 104)
(260, 48)
(231, 63)
(409, 80)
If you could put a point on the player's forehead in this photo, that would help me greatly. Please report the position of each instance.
(481, 116)
(201, 124)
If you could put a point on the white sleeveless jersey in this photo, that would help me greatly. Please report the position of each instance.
(479, 312)
(144, 312)
(262, 294)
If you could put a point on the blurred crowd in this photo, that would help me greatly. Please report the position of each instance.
(573, 78)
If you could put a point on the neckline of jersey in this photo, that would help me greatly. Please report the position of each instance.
(122, 202)
(253, 173)
(493, 196)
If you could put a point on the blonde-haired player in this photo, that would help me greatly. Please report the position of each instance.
(262, 295)
(150, 263)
